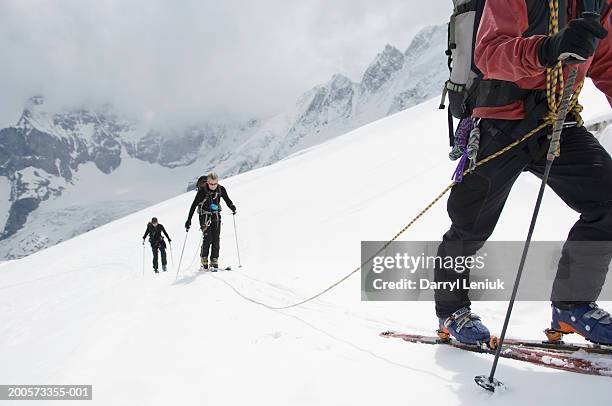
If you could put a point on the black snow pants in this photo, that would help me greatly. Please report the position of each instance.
(161, 247)
(211, 235)
(581, 176)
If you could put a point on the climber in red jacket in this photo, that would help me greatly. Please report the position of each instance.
(513, 44)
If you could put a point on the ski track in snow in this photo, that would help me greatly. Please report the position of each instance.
(82, 312)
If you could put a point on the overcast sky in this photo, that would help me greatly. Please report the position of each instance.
(183, 59)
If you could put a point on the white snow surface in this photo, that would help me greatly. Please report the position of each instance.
(83, 312)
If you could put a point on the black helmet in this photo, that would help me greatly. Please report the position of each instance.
(154, 220)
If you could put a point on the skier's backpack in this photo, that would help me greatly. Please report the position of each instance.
(462, 29)
(209, 201)
(201, 179)
(466, 88)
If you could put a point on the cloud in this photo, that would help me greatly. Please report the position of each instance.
(193, 58)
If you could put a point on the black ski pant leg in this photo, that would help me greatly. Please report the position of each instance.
(162, 250)
(474, 207)
(215, 231)
(155, 256)
(582, 177)
(206, 242)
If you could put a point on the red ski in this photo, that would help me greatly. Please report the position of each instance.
(566, 357)
(560, 346)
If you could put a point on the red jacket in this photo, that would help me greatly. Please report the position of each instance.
(503, 53)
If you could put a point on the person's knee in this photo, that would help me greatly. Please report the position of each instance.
(598, 218)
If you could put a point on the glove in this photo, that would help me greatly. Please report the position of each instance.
(169, 240)
(143, 240)
(233, 210)
(187, 225)
(578, 39)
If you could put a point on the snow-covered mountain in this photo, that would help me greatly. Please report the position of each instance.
(94, 163)
(394, 81)
(44, 156)
(82, 312)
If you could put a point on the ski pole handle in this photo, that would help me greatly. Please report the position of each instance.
(591, 13)
(554, 150)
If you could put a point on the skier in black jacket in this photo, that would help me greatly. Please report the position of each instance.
(154, 231)
(208, 203)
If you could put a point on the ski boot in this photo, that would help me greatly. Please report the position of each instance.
(156, 271)
(164, 269)
(465, 327)
(588, 320)
(214, 264)
(204, 265)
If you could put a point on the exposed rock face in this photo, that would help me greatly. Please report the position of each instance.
(381, 71)
(20, 209)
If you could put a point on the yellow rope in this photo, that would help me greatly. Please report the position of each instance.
(554, 76)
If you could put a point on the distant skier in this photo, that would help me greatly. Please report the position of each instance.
(208, 203)
(154, 231)
(513, 51)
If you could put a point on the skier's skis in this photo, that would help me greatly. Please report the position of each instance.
(227, 268)
(560, 346)
(550, 357)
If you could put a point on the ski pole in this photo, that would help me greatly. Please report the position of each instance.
(181, 258)
(237, 247)
(143, 257)
(171, 254)
(489, 382)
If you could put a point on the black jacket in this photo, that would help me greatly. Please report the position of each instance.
(155, 233)
(205, 197)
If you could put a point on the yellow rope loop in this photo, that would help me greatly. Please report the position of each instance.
(559, 89)
(553, 23)
(554, 75)
(575, 106)
(549, 87)
(577, 111)
(555, 81)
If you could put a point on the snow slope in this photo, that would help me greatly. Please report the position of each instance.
(82, 312)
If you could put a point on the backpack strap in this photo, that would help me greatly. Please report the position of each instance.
(466, 7)
(497, 93)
